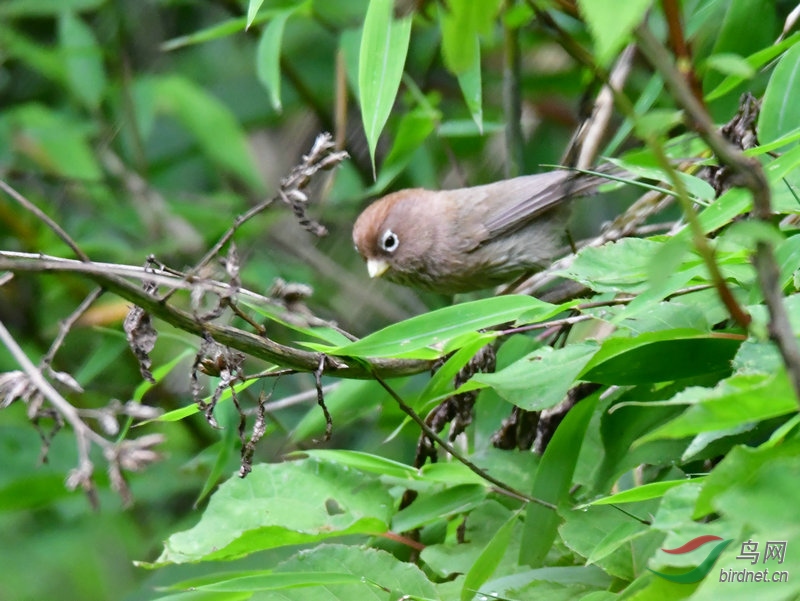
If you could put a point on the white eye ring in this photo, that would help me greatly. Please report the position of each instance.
(389, 241)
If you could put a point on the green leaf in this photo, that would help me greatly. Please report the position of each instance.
(161, 372)
(740, 399)
(252, 11)
(462, 22)
(660, 356)
(747, 26)
(619, 267)
(585, 530)
(83, 58)
(412, 336)
(729, 63)
(652, 490)
(384, 45)
(754, 61)
(366, 462)
(541, 379)
(780, 110)
(268, 57)
(429, 508)
(279, 581)
(218, 133)
(611, 24)
(470, 83)
(184, 412)
(382, 575)
(282, 504)
(623, 534)
(742, 464)
(553, 480)
(412, 131)
(441, 382)
(489, 559)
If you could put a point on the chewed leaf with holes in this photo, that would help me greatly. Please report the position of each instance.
(283, 504)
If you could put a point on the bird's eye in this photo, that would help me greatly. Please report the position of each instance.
(389, 241)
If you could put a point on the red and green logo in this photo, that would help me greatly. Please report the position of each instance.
(704, 568)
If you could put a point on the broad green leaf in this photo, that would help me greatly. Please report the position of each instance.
(780, 110)
(429, 508)
(412, 131)
(672, 315)
(584, 530)
(759, 503)
(754, 61)
(412, 336)
(748, 26)
(218, 133)
(661, 357)
(729, 63)
(282, 504)
(469, 81)
(652, 490)
(611, 24)
(541, 379)
(268, 57)
(366, 462)
(384, 45)
(480, 527)
(619, 267)
(271, 581)
(489, 559)
(623, 534)
(625, 422)
(382, 575)
(553, 480)
(740, 399)
(463, 21)
(442, 381)
(452, 474)
(740, 464)
(83, 58)
(589, 576)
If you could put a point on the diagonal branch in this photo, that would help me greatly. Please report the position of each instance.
(749, 174)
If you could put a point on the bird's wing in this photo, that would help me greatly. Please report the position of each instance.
(529, 196)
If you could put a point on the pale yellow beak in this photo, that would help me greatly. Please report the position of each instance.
(376, 267)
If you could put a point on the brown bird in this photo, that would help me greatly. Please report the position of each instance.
(462, 240)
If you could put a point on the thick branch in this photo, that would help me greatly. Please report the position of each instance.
(241, 340)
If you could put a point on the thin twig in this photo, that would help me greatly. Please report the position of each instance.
(502, 487)
(84, 435)
(42, 216)
(19, 261)
(66, 325)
